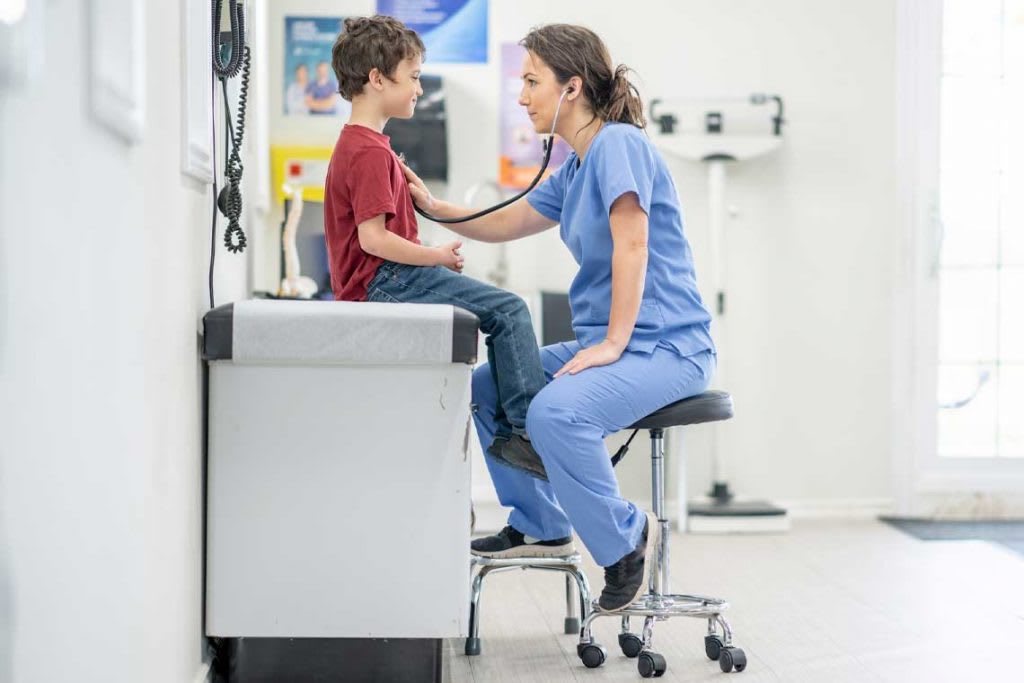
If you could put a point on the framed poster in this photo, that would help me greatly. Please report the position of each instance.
(310, 88)
(452, 30)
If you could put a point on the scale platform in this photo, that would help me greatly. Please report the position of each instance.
(736, 517)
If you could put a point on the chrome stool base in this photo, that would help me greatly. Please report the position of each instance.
(657, 604)
(659, 607)
(577, 589)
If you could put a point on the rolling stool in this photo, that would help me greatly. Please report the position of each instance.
(658, 604)
(567, 564)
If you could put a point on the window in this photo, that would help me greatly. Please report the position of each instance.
(981, 264)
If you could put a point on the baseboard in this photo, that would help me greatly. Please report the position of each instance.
(492, 517)
(966, 506)
(837, 508)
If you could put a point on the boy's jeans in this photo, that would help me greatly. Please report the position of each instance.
(512, 351)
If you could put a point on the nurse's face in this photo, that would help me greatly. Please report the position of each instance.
(540, 92)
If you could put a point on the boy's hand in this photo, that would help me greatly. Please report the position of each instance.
(420, 194)
(450, 257)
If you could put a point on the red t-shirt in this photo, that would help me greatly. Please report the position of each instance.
(364, 179)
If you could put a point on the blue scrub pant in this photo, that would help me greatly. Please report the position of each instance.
(567, 422)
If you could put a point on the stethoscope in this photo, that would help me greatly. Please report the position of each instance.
(548, 144)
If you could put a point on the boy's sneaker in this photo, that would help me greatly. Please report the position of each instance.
(517, 452)
(509, 543)
(625, 581)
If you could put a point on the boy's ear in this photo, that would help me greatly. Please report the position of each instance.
(376, 79)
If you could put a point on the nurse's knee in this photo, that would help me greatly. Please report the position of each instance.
(483, 388)
(545, 417)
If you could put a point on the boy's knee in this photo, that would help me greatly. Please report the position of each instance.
(515, 306)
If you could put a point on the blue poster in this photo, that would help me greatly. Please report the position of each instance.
(310, 88)
(451, 30)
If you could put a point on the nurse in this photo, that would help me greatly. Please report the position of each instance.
(642, 330)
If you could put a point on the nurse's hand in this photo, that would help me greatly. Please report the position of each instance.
(605, 353)
(420, 194)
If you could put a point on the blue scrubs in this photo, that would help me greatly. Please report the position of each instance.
(670, 355)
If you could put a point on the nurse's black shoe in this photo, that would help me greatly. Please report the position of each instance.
(625, 581)
(509, 543)
(518, 453)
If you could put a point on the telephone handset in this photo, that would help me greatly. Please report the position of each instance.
(231, 58)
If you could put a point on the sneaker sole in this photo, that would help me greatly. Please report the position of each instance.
(529, 550)
(518, 468)
(652, 545)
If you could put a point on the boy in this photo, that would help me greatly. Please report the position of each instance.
(372, 235)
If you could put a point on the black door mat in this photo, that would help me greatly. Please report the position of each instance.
(1006, 532)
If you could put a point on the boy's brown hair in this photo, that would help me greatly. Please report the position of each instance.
(367, 43)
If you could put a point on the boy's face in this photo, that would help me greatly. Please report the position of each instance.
(403, 89)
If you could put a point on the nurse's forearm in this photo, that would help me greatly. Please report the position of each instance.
(493, 227)
(629, 264)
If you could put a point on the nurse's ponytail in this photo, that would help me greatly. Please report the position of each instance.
(571, 50)
(624, 104)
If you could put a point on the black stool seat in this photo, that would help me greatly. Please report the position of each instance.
(710, 406)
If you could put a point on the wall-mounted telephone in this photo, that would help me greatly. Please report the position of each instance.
(230, 57)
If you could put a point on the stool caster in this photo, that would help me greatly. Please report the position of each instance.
(592, 655)
(712, 647)
(572, 626)
(472, 647)
(651, 665)
(732, 659)
(630, 644)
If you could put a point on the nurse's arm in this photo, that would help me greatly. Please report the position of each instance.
(629, 265)
(513, 222)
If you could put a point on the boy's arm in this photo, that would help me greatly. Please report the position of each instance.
(378, 241)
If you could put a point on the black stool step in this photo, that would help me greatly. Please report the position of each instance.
(710, 406)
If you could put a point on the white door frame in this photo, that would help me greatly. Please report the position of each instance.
(924, 482)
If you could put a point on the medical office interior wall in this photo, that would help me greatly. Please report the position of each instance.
(104, 247)
(810, 253)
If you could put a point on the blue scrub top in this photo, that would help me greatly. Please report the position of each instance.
(622, 159)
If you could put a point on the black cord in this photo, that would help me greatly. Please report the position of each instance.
(230, 198)
(237, 17)
(213, 226)
(548, 144)
(621, 453)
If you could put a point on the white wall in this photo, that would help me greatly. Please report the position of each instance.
(103, 255)
(810, 254)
